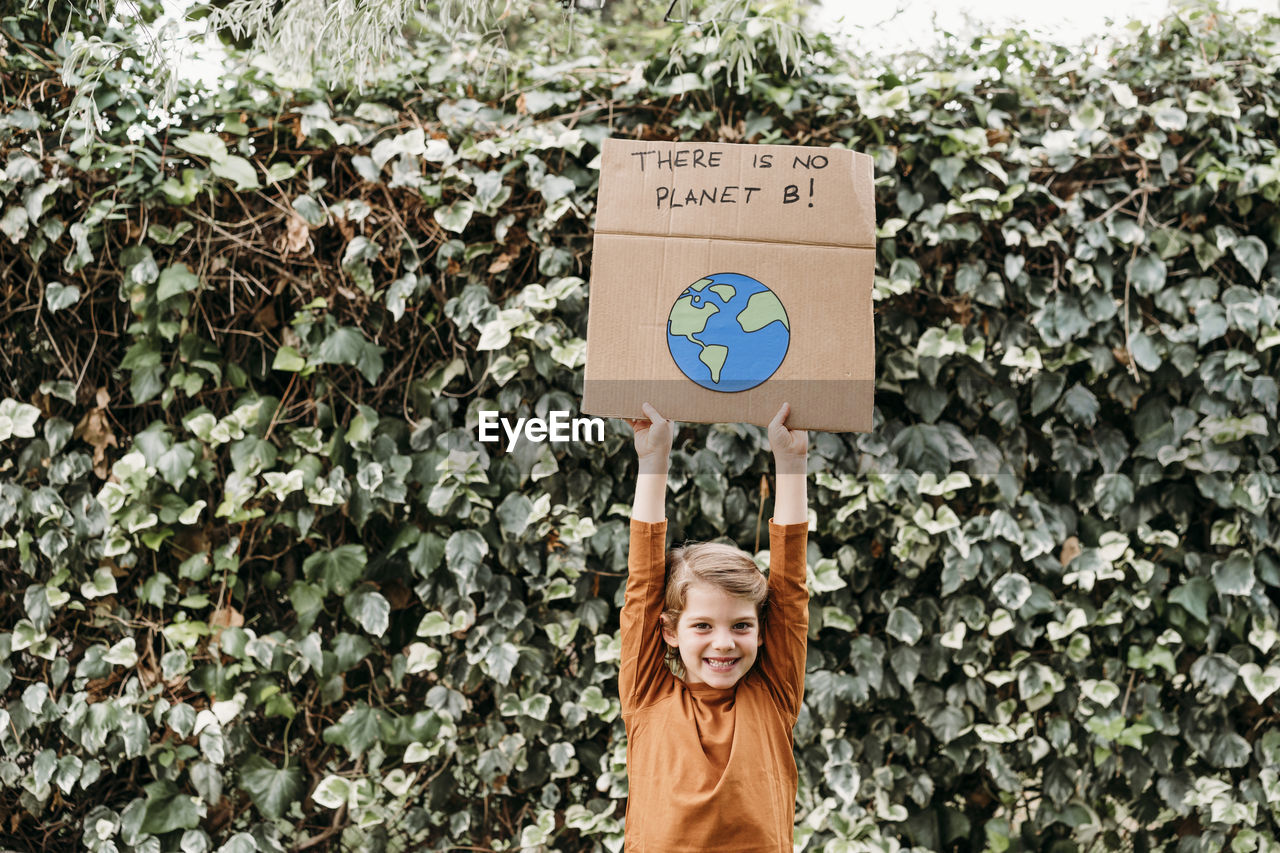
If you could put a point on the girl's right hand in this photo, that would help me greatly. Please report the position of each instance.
(654, 434)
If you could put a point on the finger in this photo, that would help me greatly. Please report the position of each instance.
(652, 413)
(779, 420)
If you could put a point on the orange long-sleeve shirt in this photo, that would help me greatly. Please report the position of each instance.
(711, 769)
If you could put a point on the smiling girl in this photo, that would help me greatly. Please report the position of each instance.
(709, 753)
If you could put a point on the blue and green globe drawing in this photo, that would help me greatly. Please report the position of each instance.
(728, 332)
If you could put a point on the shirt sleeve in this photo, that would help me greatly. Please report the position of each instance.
(642, 674)
(786, 621)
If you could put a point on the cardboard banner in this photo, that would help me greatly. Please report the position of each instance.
(729, 279)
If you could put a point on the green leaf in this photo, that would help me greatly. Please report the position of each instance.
(310, 210)
(69, 770)
(1012, 590)
(504, 366)
(1060, 780)
(62, 389)
(204, 145)
(834, 617)
(555, 187)
(370, 609)
(1144, 352)
(58, 295)
(1113, 492)
(174, 280)
(166, 236)
(343, 346)
(1206, 252)
(147, 382)
(44, 766)
(1103, 692)
(904, 625)
(1242, 305)
(168, 808)
(456, 216)
(338, 569)
(1259, 682)
(923, 447)
(271, 788)
(17, 419)
(1045, 390)
(399, 292)
(426, 554)
(241, 842)
(14, 223)
(439, 377)
(1171, 118)
(947, 722)
(332, 792)
(500, 660)
(464, 552)
(1228, 749)
(1193, 596)
(1251, 252)
(346, 345)
(357, 730)
(1234, 575)
(1212, 321)
(175, 463)
(1147, 273)
(825, 577)
(514, 513)
(122, 653)
(185, 192)
(350, 649)
(237, 170)
(434, 624)
(308, 602)
(1080, 406)
(288, 358)
(281, 171)
(1215, 672)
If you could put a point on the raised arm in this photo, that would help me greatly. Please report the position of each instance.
(790, 460)
(654, 436)
(786, 625)
(642, 670)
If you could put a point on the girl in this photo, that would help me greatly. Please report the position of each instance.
(709, 754)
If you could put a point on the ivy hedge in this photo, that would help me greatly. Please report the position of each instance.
(265, 590)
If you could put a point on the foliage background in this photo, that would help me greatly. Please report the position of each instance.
(264, 590)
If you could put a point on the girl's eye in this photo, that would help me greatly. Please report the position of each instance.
(743, 626)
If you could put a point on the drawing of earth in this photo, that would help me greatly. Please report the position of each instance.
(728, 332)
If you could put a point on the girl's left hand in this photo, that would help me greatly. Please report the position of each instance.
(654, 434)
(787, 443)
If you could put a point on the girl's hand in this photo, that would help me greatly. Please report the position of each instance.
(654, 434)
(790, 446)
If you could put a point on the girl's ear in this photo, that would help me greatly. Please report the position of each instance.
(668, 634)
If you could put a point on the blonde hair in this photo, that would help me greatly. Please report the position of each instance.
(722, 566)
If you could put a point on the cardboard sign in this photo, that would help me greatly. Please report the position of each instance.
(729, 279)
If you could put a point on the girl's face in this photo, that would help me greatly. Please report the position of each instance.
(718, 636)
